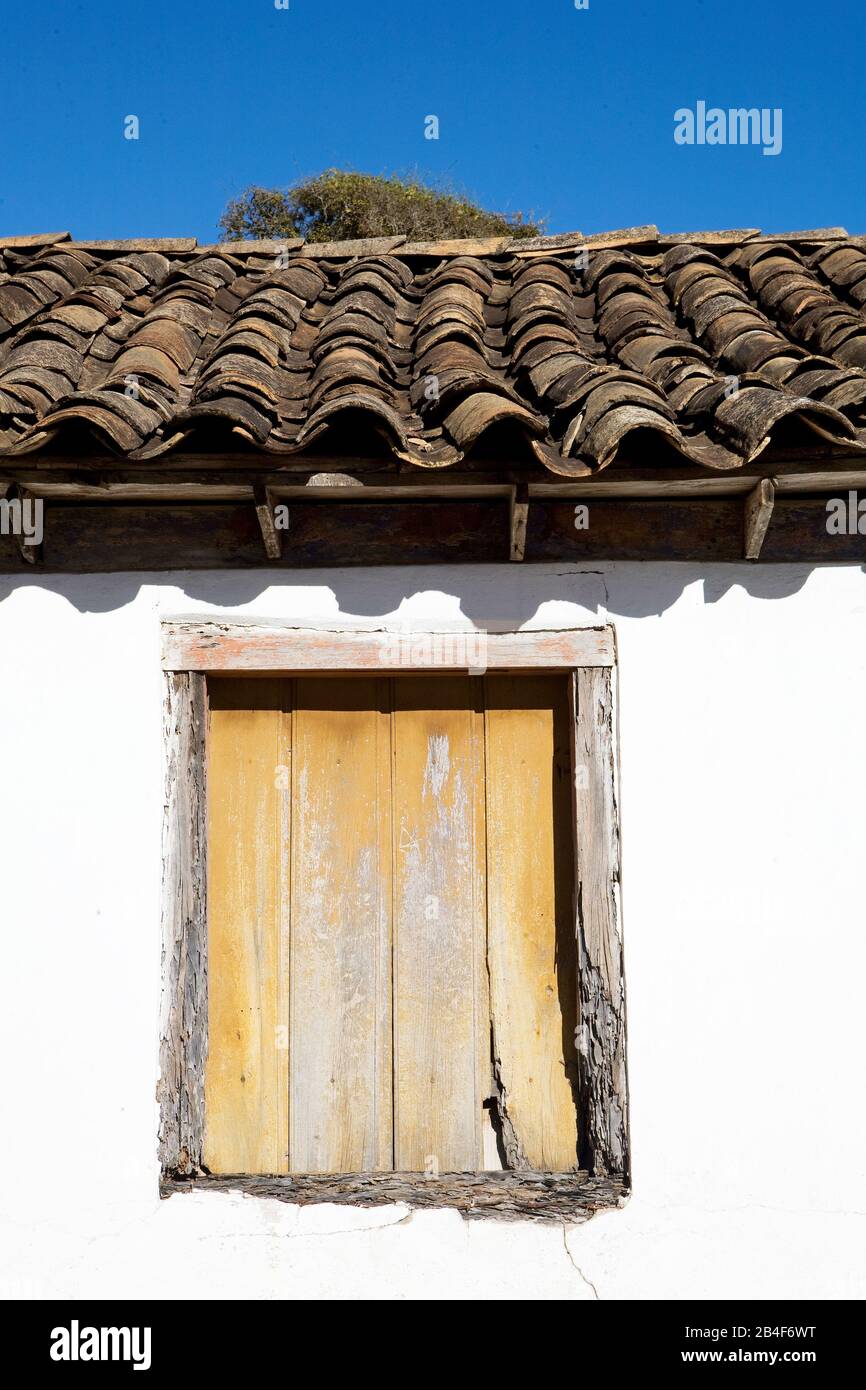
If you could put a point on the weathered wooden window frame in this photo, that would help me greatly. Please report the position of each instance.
(194, 649)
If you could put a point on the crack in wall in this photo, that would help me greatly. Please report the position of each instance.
(576, 1267)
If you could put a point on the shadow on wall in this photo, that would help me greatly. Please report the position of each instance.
(491, 596)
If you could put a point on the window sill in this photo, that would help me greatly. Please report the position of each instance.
(506, 1195)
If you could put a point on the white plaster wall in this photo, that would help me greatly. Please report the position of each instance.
(743, 737)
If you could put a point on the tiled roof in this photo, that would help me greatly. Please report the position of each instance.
(713, 341)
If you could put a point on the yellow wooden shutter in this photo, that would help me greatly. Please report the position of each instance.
(389, 861)
(246, 1077)
(340, 956)
(441, 1020)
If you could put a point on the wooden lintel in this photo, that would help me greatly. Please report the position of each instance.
(518, 518)
(218, 645)
(271, 537)
(758, 511)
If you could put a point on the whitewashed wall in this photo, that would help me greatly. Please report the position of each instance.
(743, 735)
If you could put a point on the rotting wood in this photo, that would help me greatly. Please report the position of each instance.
(570, 1197)
(271, 537)
(519, 514)
(758, 513)
(602, 1081)
(183, 1025)
(214, 645)
(530, 928)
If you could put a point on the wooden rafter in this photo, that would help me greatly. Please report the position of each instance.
(271, 537)
(759, 510)
(518, 519)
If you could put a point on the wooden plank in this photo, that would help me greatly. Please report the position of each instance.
(635, 483)
(603, 1096)
(474, 246)
(90, 538)
(44, 485)
(559, 241)
(166, 245)
(340, 971)
(504, 470)
(270, 246)
(246, 1081)
(625, 236)
(686, 529)
(169, 485)
(441, 1035)
(183, 1010)
(531, 947)
(207, 645)
(349, 250)
(733, 237)
(757, 517)
(33, 242)
(825, 480)
(659, 529)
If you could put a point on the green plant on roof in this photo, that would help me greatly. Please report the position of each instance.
(340, 205)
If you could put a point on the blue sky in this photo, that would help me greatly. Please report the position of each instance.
(542, 107)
